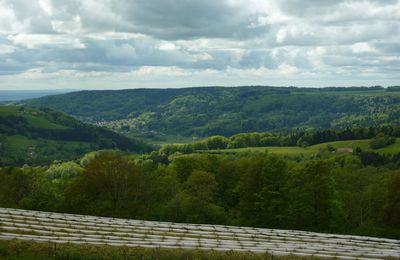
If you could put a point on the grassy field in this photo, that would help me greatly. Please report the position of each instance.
(363, 144)
(165, 139)
(311, 150)
(19, 141)
(35, 118)
(7, 110)
(41, 122)
(292, 150)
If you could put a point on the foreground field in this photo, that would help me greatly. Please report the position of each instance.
(29, 250)
(45, 227)
(311, 150)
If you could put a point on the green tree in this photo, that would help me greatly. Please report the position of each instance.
(381, 140)
(249, 185)
(313, 202)
(14, 186)
(26, 188)
(109, 185)
(392, 207)
(217, 142)
(197, 199)
(262, 194)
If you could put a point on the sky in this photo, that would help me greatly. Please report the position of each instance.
(115, 44)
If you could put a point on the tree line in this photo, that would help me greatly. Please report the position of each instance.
(382, 136)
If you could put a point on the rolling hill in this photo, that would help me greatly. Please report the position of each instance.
(206, 111)
(39, 136)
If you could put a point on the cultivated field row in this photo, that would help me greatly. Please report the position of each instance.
(79, 229)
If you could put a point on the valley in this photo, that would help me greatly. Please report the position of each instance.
(308, 182)
(162, 114)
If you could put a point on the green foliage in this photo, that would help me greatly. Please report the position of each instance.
(217, 142)
(381, 140)
(197, 199)
(262, 198)
(313, 200)
(64, 171)
(27, 188)
(103, 187)
(392, 207)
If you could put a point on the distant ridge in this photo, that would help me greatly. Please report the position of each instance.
(17, 95)
(206, 111)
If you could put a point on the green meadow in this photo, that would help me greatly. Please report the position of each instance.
(312, 150)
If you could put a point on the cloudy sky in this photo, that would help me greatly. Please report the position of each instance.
(113, 44)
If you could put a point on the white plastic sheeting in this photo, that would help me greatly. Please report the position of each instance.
(79, 229)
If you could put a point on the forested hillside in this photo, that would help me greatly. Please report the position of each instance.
(226, 111)
(40, 136)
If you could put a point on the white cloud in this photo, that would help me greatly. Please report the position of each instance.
(33, 41)
(363, 47)
(286, 69)
(47, 7)
(35, 73)
(167, 42)
(167, 46)
(154, 71)
(70, 27)
(8, 21)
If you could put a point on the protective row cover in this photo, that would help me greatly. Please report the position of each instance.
(79, 229)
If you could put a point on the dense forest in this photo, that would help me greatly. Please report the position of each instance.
(207, 111)
(329, 193)
(41, 136)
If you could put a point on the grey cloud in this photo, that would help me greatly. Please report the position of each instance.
(308, 7)
(164, 19)
(116, 55)
(177, 19)
(31, 15)
(389, 48)
(258, 58)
